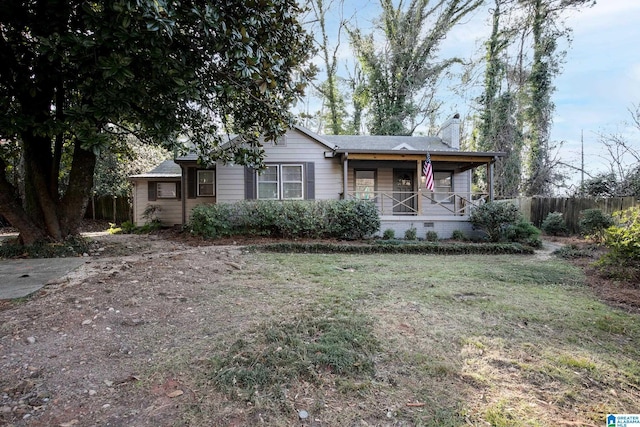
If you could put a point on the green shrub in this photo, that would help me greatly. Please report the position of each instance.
(397, 247)
(431, 236)
(554, 224)
(211, 221)
(458, 235)
(127, 227)
(342, 219)
(524, 232)
(72, 246)
(593, 223)
(389, 234)
(411, 234)
(494, 219)
(623, 240)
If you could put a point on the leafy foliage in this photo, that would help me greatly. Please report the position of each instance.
(432, 236)
(71, 247)
(594, 222)
(125, 157)
(524, 232)
(623, 239)
(516, 107)
(402, 75)
(389, 234)
(494, 219)
(78, 76)
(554, 224)
(458, 235)
(411, 234)
(343, 219)
(399, 247)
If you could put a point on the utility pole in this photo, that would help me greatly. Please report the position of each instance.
(582, 154)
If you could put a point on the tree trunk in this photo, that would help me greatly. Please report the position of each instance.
(76, 199)
(13, 212)
(44, 216)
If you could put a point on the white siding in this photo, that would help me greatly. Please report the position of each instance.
(298, 148)
(230, 183)
(170, 209)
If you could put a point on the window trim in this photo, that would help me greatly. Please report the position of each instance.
(280, 181)
(213, 183)
(355, 182)
(448, 198)
(175, 189)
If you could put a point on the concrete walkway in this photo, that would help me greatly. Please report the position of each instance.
(22, 277)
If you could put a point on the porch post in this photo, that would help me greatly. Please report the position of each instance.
(419, 182)
(490, 180)
(345, 175)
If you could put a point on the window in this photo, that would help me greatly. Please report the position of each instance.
(281, 182)
(206, 183)
(443, 186)
(166, 190)
(365, 184)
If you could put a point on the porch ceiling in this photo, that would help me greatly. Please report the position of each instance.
(458, 161)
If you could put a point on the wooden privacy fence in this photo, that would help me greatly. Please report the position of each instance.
(536, 209)
(114, 209)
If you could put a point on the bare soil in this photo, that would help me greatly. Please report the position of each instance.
(624, 294)
(73, 353)
(85, 350)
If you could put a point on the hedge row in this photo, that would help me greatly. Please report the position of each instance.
(419, 248)
(341, 219)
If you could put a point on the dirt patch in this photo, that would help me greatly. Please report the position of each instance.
(75, 351)
(624, 294)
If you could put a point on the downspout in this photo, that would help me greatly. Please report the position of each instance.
(183, 195)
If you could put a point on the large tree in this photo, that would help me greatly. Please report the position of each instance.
(497, 128)
(75, 74)
(516, 107)
(545, 21)
(402, 72)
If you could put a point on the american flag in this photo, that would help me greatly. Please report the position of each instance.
(427, 170)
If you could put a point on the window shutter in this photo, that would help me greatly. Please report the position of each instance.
(153, 191)
(191, 183)
(179, 190)
(249, 183)
(310, 181)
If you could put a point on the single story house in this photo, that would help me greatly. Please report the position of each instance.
(303, 165)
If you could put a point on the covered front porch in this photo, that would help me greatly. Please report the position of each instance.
(395, 183)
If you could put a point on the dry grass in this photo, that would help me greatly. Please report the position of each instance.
(463, 340)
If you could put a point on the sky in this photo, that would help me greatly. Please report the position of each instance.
(598, 84)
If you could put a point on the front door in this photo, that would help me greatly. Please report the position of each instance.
(404, 194)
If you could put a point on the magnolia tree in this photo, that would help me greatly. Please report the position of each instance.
(78, 77)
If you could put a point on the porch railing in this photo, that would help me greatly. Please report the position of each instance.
(422, 203)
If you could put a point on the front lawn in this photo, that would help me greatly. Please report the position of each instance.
(504, 340)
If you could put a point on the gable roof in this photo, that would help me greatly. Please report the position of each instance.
(386, 143)
(166, 169)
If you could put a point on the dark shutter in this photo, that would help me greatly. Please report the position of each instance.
(153, 191)
(178, 190)
(310, 181)
(191, 183)
(249, 183)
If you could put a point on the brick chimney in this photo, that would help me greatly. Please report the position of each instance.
(450, 132)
